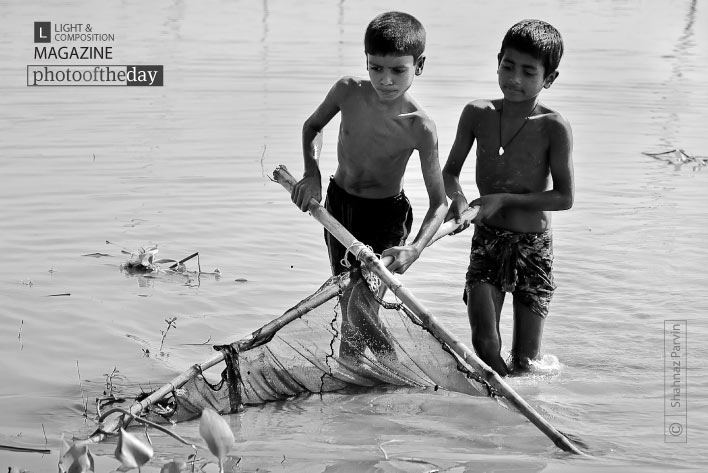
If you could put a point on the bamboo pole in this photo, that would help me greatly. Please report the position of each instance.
(366, 256)
(113, 424)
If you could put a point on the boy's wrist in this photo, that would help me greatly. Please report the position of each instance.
(417, 248)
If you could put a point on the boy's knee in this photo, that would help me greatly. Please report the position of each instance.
(489, 351)
(485, 346)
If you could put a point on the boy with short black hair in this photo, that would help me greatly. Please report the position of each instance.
(524, 171)
(381, 126)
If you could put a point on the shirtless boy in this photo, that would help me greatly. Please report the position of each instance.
(524, 171)
(381, 126)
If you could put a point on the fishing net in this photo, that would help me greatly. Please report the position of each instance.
(344, 336)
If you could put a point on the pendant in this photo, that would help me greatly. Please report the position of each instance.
(501, 150)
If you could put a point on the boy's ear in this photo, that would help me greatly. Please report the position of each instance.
(549, 79)
(499, 60)
(419, 65)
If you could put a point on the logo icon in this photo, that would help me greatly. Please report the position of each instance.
(42, 31)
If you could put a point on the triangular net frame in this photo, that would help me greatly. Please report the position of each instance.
(348, 340)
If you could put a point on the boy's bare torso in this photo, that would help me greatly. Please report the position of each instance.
(523, 168)
(375, 141)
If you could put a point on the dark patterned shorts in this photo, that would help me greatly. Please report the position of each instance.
(379, 223)
(520, 263)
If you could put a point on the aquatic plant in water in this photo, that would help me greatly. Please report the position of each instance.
(679, 158)
(133, 453)
(143, 260)
(217, 434)
(74, 458)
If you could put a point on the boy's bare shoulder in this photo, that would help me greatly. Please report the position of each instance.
(553, 119)
(426, 122)
(477, 110)
(420, 120)
(414, 109)
(351, 84)
(351, 81)
(475, 113)
(481, 105)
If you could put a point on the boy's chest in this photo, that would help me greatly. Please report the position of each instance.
(378, 134)
(526, 147)
(523, 166)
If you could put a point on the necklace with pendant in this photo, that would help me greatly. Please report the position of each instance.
(526, 120)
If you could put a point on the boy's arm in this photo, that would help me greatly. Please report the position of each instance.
(311, 183)
(405, 256)
(456, 159)
(560, 197)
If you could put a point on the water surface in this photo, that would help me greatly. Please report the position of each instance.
(185, 166)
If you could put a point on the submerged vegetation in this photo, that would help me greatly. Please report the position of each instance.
(678, 158)
(143, 261)
(132, 452)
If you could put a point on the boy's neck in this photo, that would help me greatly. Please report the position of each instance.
(519, 109)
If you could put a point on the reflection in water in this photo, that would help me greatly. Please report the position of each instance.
(340, 23)
(264, 37)
(265, 71)
(686, 39)
(175, 19)
(681, 56)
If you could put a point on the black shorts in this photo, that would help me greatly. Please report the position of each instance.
(378, 223)
(520, 263)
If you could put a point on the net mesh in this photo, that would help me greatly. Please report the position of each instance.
(351, 340)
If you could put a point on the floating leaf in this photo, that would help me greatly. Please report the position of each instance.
(145, 256)
(217, 434)
(65, 446)
(98, 255)
(74, 458)
(165, 260)
(62, 451)
(131, 452)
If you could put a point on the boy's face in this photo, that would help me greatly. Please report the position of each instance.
(391, 76)
(521, 76)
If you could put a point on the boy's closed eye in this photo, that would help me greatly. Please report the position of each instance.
(528, 71)
(395, 70)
